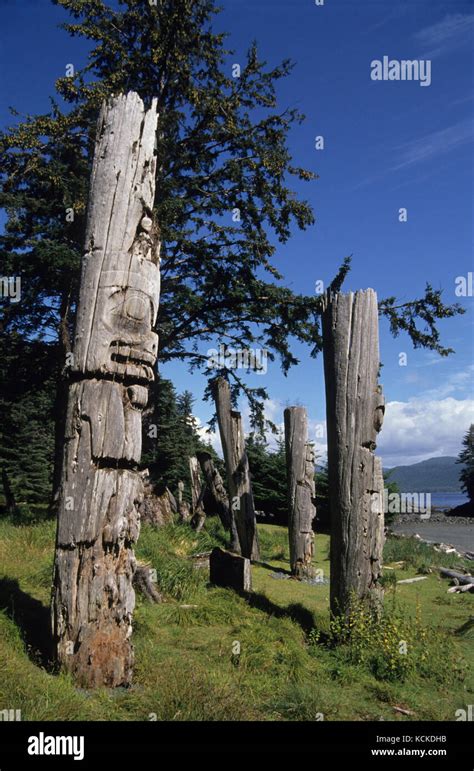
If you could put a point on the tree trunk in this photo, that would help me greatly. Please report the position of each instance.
(301, 491)
(216, 492)
(10, 502)
(355, 409)
(113, 356)
(237, 470)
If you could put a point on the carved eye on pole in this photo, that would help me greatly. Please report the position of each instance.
(136, 307)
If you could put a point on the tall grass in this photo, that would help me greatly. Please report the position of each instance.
(419, 555)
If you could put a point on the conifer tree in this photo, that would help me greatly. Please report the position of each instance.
(466, 458)
(224, 198)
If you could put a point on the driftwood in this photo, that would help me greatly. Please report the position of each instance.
(461, 589)
(355, 409)
(412, 580)
(237, 469)
(301, 490)
(219, 500)
(113, 357)
(461, 577)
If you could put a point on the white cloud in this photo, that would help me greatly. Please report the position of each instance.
(457, 383)
(435, 144)
(452, 32)
(273, 411)
(419, 429)
(429, 426)
(211, 438)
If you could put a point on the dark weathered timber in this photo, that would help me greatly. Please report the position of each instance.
(355, 409)
(301, 491)
(219, 500)
(237, 470)
(113, 357)
(455, 575)
(230, 570)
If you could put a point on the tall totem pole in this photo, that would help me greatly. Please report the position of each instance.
(115, 349)
(355, 409)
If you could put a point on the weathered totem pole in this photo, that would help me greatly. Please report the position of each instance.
(355, 409)
(217, 494)
(184, 513)
(113, 357)
(301, 491)
(237, 470)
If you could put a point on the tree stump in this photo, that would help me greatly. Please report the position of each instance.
(237, 470)
(355, 409)
(230, 570)
(301, 491)
(219, 500)
(144, 582)
(113, 357)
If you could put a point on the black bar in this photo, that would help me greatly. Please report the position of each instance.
(125, 743)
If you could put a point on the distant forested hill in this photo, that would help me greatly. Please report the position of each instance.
(436, 475)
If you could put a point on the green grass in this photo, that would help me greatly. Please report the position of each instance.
(289, 667)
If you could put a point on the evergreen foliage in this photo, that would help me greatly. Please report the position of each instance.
(466, 457)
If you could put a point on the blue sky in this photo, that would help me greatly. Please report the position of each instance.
(388, 145)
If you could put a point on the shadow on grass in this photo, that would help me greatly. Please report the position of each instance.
(297, 612)
(267, 566)
(33, 620)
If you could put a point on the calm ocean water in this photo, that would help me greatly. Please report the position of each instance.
(447, 500)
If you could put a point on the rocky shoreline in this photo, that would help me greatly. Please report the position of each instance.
(436, 515)
(442, 530)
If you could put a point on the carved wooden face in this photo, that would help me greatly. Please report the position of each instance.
(122, 342)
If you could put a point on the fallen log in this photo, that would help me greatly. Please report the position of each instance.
(461, 577)
(464, 588)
